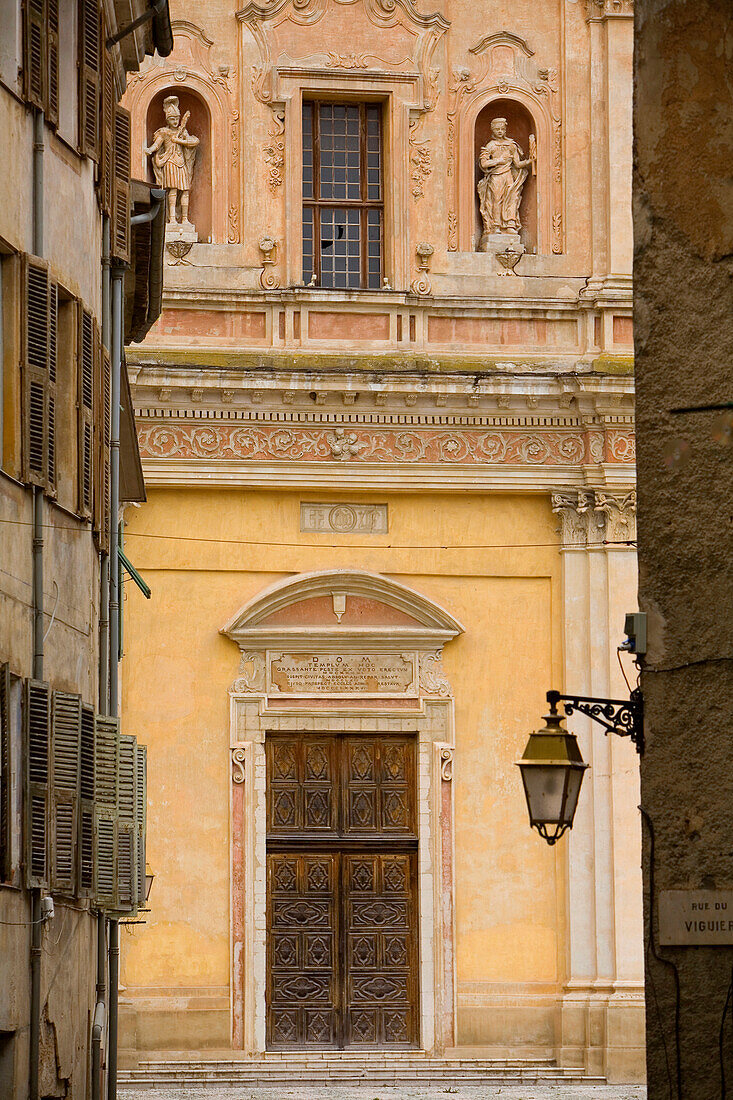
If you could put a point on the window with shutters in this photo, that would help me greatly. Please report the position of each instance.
(126, 825)
(343, 202)
(68, 50)
(106, 780)
(87, 368)
(65, 757)
(66, 430)
(10, 357)
(11, 44)
(39, 360)
(6, 782)
(85, 845)
(90, 62)
(121, 185)
(37, 731)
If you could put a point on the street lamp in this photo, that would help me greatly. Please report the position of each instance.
(552, 766)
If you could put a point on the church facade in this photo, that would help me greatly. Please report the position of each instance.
(386, 423)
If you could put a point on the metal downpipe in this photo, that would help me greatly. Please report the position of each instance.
(114, 469)
(114, 982)
(104, 649)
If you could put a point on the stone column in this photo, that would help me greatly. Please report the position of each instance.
(602, 1011)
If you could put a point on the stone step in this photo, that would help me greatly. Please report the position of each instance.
(332, 1068)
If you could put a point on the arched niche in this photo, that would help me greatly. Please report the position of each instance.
(520, 124)
(199, 124)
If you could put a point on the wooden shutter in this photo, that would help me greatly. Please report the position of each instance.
(126, 831)
(85, 843)
(106, 764)
(36, 380)
(5, 775)
(141, 815)
(64, 786)
(103, 428)
(89, 77)
(52, 83)
(121, 217)
(35, 66)
(37, 724)
(53, 322)
(107, 150)
(86, 363)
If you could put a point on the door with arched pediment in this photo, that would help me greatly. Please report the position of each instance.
(342, 915)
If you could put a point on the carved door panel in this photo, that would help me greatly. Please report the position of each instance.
(302, 950)
(380, 1003)
(342, 910)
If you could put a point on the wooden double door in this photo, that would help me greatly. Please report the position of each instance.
(341, 891)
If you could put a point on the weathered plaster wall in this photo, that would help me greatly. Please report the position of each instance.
(684, 346)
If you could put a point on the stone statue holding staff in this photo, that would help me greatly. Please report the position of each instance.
(173, 154)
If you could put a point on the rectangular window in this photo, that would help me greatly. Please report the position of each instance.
(343, 203)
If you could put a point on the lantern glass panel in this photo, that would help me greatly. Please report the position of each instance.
(545, 789)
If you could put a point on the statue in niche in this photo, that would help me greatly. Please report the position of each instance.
(173, 153)
(500, 188)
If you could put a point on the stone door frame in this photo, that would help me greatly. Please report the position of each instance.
(432, 720)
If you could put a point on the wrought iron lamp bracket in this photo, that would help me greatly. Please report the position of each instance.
(622, 716)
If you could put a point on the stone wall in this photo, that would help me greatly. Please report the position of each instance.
(684, 343)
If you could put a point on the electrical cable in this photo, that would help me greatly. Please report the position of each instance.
(651, 946)
(623, 670)
(721, 1055)
(22, 923)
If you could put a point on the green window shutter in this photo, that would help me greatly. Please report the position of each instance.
(65, 761)
(52, 83)
(141, 813)
(35, 72)
(5, 775)
(121, 217)
(85, 843)
(86, 362)
(106, 766)
(36, 728)
(36, 381)
(126, 832)
(89, 77)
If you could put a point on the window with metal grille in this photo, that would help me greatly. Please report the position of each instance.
(343, 202)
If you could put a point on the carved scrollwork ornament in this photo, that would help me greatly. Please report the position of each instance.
(446, 764)
(268, 278)
(252, 674)
(239, 757)
(433, 680)
(422, 285)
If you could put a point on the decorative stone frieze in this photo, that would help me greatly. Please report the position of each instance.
(251, 673)
(433, 680)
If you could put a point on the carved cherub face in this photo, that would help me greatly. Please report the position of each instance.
(498, 128)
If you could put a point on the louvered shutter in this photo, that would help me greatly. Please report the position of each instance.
(121, 217)
(53, 319)
(65, 759)
(52, 98)
(37, 727)
(35, 67)
(106, 764)
(85, 844)
(86, 355)
(36, 381)
(141, 817)
(107, 151)
(103, 427)
(89, 74)
(126, 831)
(5, 775)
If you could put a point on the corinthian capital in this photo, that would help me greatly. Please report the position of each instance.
(619, 514)
(595, 517)
(598, 10)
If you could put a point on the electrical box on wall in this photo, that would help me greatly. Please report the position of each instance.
(635, 631)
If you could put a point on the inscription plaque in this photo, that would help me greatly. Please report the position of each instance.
(344, 519)
(342, 673)
(695, 917)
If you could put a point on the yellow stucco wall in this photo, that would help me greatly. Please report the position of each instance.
(491, 561)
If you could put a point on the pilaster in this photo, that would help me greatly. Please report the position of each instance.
(602, 1009)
